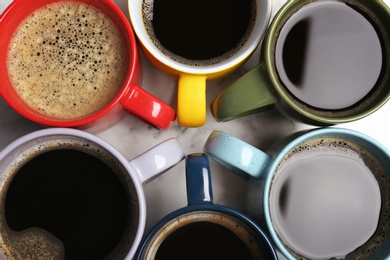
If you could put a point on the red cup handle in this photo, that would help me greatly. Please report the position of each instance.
(149, 108)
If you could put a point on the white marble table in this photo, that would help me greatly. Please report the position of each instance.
(132, 137)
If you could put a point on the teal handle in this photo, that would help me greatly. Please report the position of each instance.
(250, 94)
(238, 156)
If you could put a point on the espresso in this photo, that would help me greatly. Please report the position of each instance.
(67, 60)
(199, 32)
(329, 199)
(328, 55)
(206, 235)
(202, 240)
(68, 200)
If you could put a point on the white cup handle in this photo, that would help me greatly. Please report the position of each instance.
(157, 160)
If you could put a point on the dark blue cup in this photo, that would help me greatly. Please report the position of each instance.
(202, 229)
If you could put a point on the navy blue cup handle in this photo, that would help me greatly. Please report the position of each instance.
(198, 179)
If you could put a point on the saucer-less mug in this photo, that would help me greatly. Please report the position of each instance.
(320, 194)
(197, 41)
(323, 62)
(202, 229)
(67, 193)
(60, 78)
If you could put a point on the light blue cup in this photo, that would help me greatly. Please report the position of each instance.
(203, 242)
(258, 166)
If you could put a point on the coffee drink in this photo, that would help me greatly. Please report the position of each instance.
(199, 33)
(67, 199)
(330, 198)
(328, 55)
(67, 60)
(206, 235)
(197, 239)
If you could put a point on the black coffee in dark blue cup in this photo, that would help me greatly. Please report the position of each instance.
(202, 229)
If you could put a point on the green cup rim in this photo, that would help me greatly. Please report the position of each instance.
(267, 58)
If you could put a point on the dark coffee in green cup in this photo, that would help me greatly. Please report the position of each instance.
(322, 62)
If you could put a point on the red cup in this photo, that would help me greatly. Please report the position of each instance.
(130, 98)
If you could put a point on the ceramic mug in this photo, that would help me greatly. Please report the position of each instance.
(101, 71)
(321, 194)
(323, 62)
(197, 41)
(65, 192)
(202, 229)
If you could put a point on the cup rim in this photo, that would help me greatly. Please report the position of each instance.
(135, 12)
(133, 65)
(113, 152)
(267, 58)
(205, 207)
(368, 142)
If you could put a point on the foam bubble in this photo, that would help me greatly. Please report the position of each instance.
(32, 243)
(147, 8)
(344, 147)
(244, 232)
(36, 243)
(67, 60)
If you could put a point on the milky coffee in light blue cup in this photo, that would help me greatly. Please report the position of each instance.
(321, 194)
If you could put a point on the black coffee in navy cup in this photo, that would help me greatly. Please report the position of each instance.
(202, 229)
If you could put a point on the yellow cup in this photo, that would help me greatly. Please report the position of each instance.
(193, 71)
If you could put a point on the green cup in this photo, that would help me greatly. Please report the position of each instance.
(323, 62)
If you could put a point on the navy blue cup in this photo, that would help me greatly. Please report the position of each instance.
(202, 229)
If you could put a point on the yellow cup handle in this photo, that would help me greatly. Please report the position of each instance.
(191, 108)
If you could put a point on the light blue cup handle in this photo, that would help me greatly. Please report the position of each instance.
(246, 160)
(236, 155)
